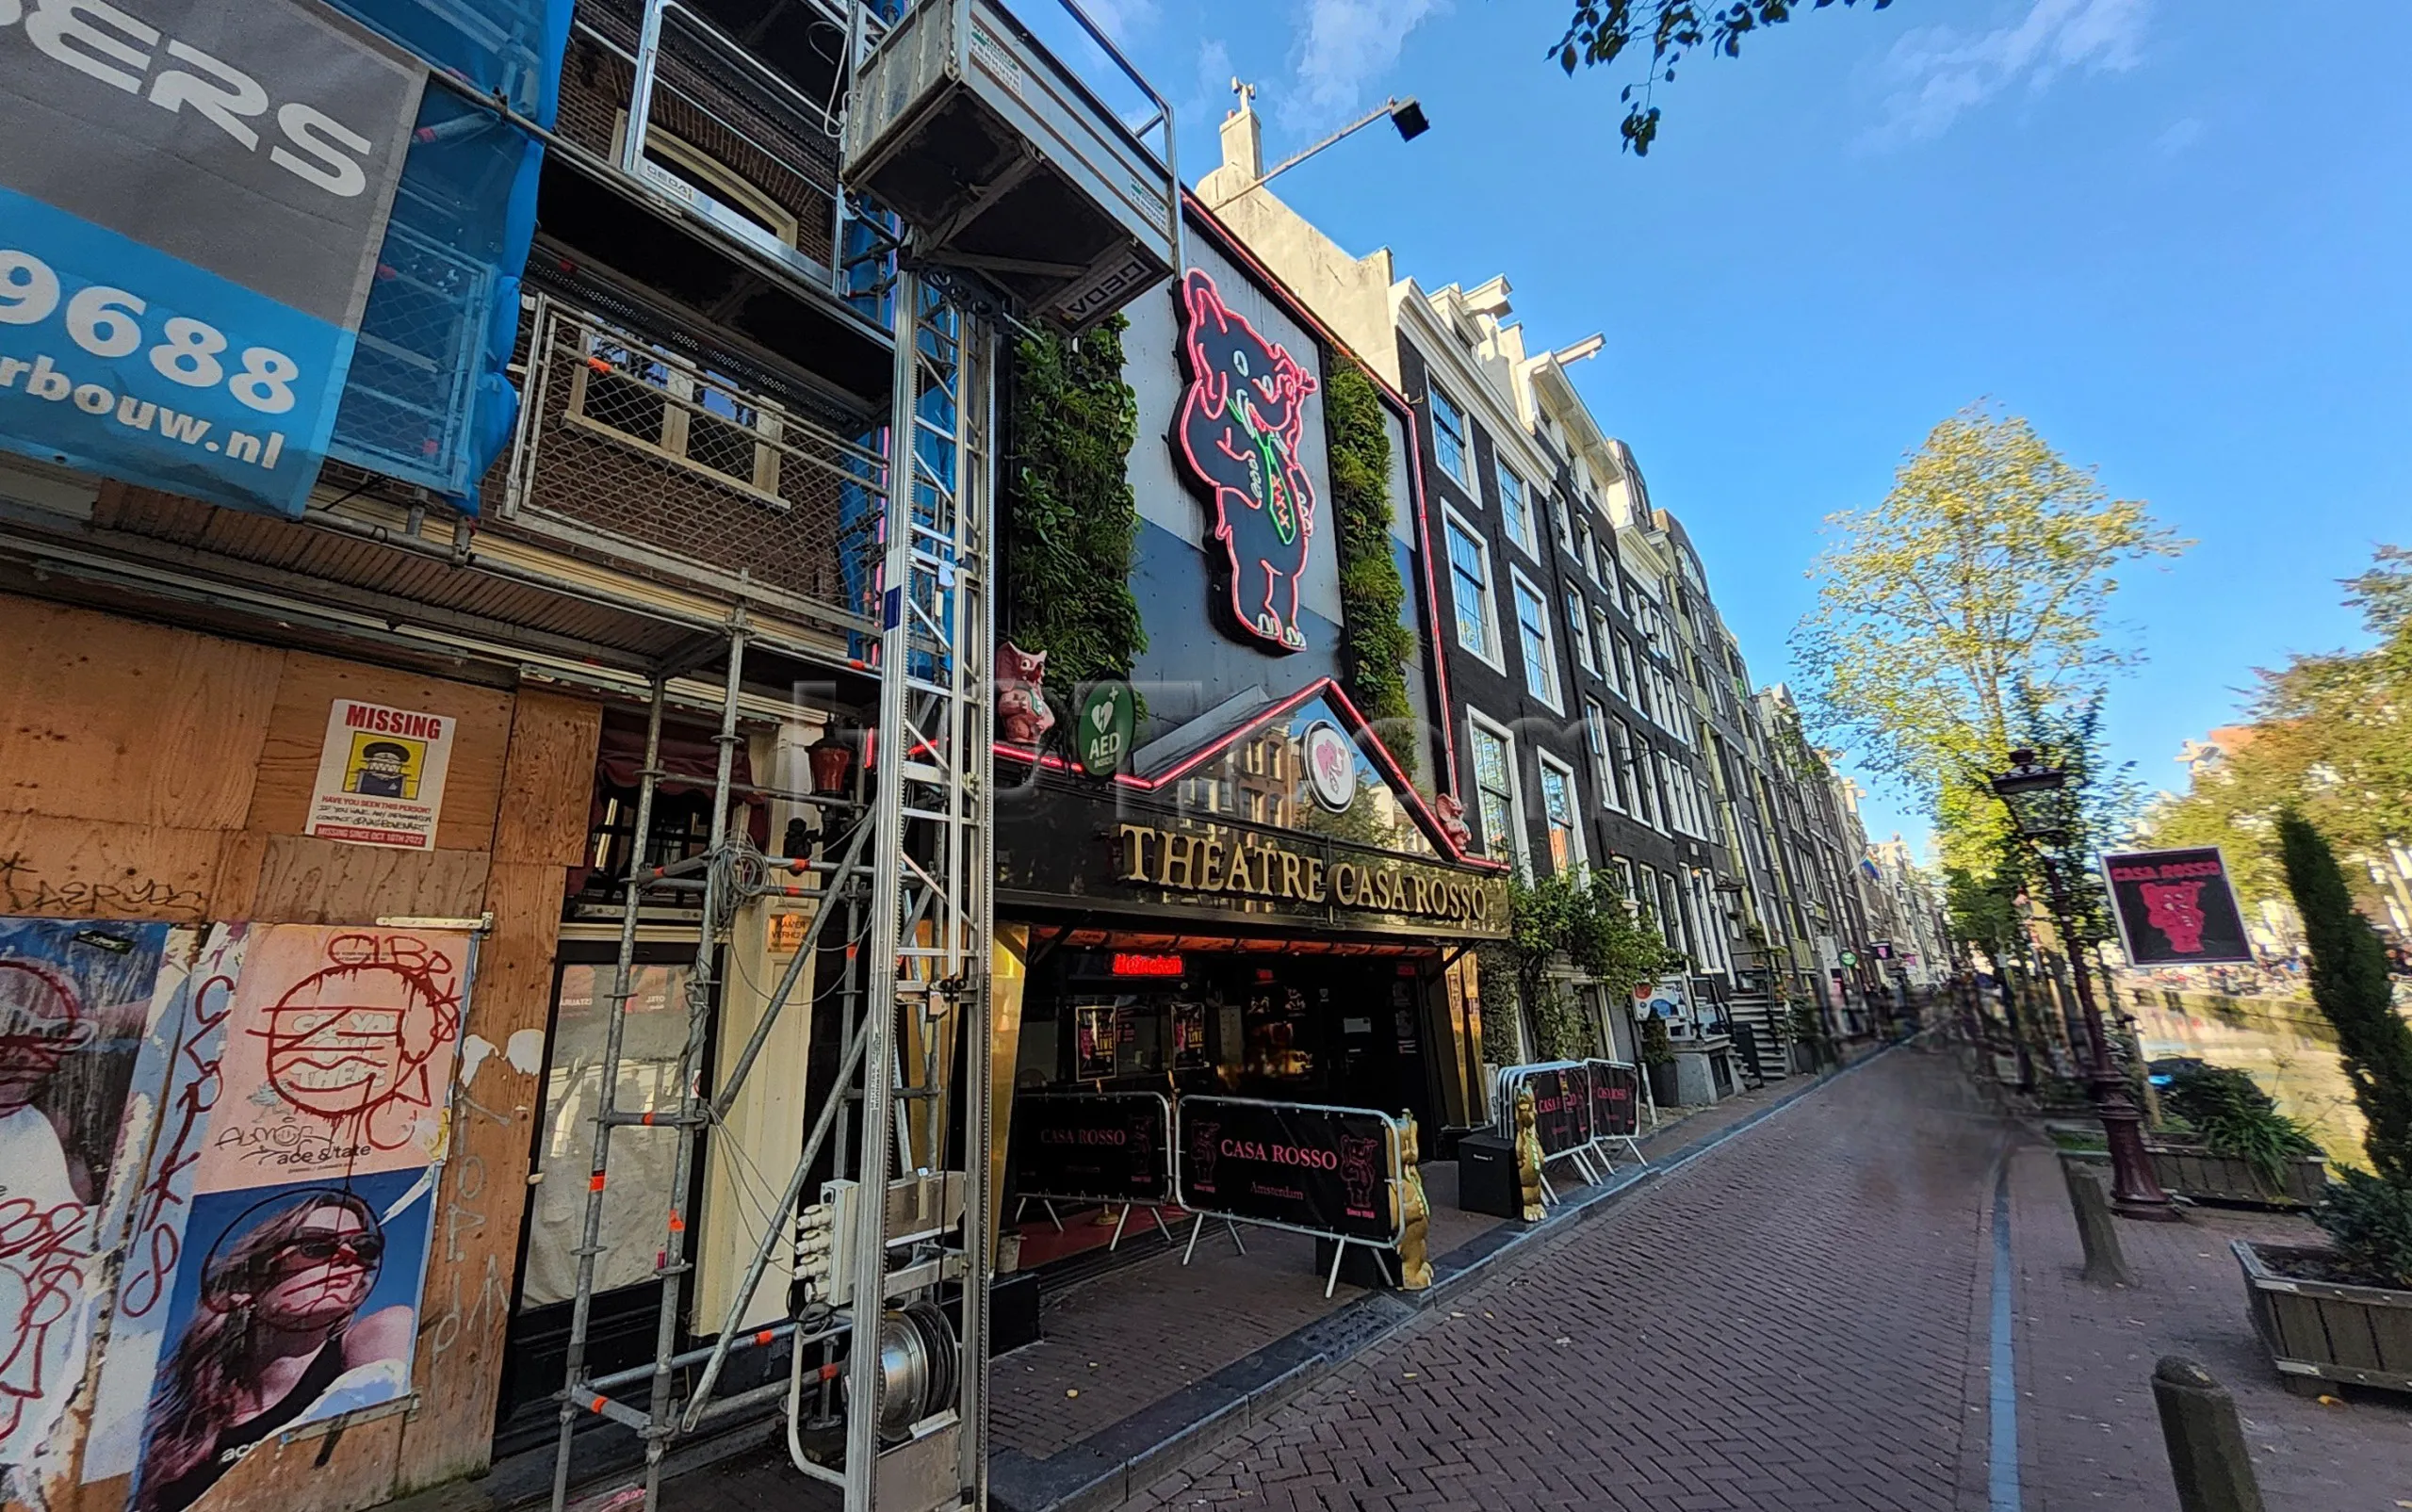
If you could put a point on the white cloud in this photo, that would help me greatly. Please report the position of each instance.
(1344, 46)
(1122, 20)
(1211, 96)
(2180, 136)
(1936, 73)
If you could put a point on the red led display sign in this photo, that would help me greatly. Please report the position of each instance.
(1135, 964)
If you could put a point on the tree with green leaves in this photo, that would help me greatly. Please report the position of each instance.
(1988, 569)
(1604, 32)
(2329, 736)
(1582, 919)
(2367, 1215)
(2349, 986)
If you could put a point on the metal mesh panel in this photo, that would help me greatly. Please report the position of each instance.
(406, 398)
(784, 152)
(662, 458)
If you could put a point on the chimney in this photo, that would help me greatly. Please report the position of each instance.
(1243, 138)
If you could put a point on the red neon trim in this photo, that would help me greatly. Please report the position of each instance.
(1434, 829)
(1362, 732)
(1238, 252)
(1199, 757)
(1202, 432)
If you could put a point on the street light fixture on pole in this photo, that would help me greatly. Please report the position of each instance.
(1407, 115)
(2032, 791)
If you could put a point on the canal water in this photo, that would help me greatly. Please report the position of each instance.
(2286, 1046)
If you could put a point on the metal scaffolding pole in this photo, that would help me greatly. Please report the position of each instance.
(919, 859)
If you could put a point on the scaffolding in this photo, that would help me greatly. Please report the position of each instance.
(887, 1315)
(896, 1251)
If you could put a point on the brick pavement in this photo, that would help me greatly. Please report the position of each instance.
(1116, 1343)
(1785, 1321)
(2088, 1434)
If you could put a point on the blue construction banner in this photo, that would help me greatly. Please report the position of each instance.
(430, 400)
(194, 194)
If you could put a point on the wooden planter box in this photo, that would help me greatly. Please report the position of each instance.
(2192, 1171)
(2326, 1330)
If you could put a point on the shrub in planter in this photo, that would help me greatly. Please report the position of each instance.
(2229, 1115)
(2345, 1313)
(2369, 1222)
(1659, 1060)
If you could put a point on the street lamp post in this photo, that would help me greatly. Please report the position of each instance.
(2029, 790)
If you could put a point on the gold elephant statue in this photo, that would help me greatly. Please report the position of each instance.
(1528, 1156)
(1415, 1216)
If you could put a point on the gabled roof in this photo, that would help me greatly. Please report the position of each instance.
(1181, 750)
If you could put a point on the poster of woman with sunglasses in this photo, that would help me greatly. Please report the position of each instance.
(305, 1307)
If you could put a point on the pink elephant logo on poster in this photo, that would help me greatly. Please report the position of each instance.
(2176, 909)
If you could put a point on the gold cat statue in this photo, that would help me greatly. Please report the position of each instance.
(1415, 1217)
(1528, 1156)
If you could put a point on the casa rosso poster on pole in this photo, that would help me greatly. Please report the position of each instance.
(2176, 908)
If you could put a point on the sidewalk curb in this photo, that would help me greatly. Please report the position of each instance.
(1124, 1457)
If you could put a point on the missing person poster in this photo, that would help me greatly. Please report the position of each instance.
(2175, 908)
(380, 776)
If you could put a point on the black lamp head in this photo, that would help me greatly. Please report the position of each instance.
(1407, 116)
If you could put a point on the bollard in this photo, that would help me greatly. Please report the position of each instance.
(2206, 1454)
(2105, 1263)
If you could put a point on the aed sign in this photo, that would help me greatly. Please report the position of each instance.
(194, 195)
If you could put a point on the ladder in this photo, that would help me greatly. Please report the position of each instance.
(895, 1257)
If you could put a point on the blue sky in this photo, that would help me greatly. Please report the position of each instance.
(2173, 237)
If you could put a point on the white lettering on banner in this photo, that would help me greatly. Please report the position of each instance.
(101, 322)
(103, 42)
(44, 381)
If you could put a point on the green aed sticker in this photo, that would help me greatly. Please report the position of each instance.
(1101, 731)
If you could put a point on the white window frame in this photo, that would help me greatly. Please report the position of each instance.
(1577, 858)
(1634, 752)
(1553, 699)
(1517, 519)
(1578, 626)
(1449, 420)
(1495, 658)
(1479, 724)
(1604, 750)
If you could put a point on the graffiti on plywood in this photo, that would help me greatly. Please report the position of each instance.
(280, 1233)
(76, 999)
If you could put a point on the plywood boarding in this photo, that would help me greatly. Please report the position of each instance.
(110, 718)
(89, 869)
(548, 778)
(303, 881)
(347, 1468)
(288, 762)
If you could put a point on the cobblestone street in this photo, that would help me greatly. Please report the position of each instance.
(1798, 1319)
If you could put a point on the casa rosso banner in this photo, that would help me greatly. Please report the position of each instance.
(1320, 1170)
(1616, 1100)
(2176, 908)
(1111, 1147)
(1561, 1109)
